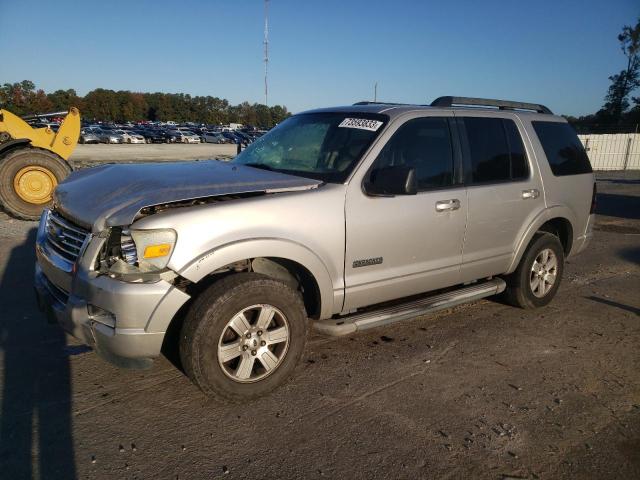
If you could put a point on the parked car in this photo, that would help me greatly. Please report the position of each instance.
(106, 136)
(233, 138)
(174, 136)
(186, 136)
(244, 138)
(211, 137)
(130, 136)
(87, 136)
(153, 135)
(339, 219)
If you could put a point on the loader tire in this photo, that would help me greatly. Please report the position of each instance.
(28, 177)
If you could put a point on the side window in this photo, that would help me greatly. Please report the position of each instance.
(563, 149)
(489, 150)
(425, 145)
(519, 164)
(496, 150)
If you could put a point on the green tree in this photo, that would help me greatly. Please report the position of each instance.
(64, 99)
(625, 82)
(278, 114)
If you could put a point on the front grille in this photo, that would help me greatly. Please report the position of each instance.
(59, 295)
(64, 237)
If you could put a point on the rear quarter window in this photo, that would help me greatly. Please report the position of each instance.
(563, 149)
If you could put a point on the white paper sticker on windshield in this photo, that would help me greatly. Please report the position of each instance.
(361, 123)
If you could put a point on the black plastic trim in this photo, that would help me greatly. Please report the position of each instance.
(449, 101)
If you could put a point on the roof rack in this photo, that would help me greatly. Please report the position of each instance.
(367, 102)
(489, 102)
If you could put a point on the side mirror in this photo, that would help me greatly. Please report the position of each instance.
(390, 181)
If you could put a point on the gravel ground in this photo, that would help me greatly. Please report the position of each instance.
(480, 391)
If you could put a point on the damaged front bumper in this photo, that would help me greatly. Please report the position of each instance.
(124, 322)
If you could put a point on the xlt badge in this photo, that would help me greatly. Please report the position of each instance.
(367, 262)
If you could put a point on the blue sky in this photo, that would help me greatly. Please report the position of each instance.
(323, 52)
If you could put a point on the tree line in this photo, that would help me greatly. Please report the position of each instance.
(23, 98)
(621, 111)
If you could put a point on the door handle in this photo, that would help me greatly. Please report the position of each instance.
(533, 193)
(447, 205)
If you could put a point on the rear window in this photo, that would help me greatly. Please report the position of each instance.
(563, 149)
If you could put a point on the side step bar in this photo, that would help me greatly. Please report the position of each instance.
(361, 321)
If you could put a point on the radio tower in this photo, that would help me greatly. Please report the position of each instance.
(266, 51)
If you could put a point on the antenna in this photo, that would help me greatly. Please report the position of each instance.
(266, 51)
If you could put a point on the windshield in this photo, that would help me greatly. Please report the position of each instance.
(323, 146)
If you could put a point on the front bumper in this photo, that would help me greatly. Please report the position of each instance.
(137, 314)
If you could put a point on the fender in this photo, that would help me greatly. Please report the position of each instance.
(23, 142)
(549, 213)
(269, 247)
(11, 144)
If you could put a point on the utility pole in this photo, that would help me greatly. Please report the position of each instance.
(266, 51)
(375, 92)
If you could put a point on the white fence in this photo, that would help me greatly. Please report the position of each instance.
(615, 151)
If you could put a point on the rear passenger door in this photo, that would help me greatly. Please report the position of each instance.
(503, 190)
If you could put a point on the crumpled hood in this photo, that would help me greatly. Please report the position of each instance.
(114, 194)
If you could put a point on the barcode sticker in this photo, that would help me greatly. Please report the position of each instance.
(361, 123)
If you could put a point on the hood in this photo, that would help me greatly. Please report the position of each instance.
(113, 194)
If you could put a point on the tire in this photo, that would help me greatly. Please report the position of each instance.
(48, 170)
(128, 140)
(522, 289)
(206, 326)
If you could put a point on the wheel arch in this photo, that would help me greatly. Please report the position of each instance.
(556, 221)
(283, 259)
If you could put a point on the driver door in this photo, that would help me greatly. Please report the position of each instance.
(401, 245)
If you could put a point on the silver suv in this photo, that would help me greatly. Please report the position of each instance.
(341, 219)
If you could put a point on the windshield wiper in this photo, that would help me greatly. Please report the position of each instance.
(262, 166)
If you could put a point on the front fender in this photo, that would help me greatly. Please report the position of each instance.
(269, 247)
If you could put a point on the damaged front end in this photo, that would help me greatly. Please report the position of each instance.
(136, 256)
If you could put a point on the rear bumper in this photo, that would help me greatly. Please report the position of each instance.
(124, 322)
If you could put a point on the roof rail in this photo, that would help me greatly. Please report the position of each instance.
(367, 102)
(489, 102)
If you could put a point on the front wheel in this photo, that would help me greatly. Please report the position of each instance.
(28, 177)
(537, 278)
(243, 337)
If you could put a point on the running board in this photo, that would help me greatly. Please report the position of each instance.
(361, 321)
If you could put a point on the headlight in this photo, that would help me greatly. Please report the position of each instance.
(153, 248)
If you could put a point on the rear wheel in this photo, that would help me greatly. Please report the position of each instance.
(537, 278)
(243, 337)
(28, 177)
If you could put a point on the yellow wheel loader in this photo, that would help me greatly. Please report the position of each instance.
(33, 161)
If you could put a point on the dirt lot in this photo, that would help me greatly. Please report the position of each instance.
(481, 391)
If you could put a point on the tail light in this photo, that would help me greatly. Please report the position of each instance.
(593, 199)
